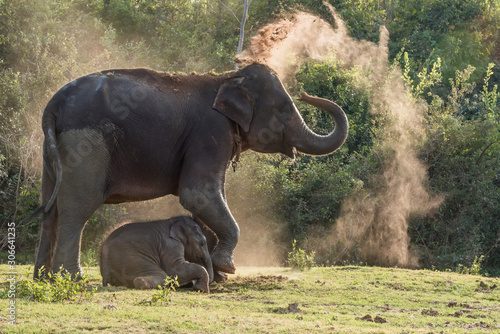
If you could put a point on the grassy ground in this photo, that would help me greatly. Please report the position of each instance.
(279, 300)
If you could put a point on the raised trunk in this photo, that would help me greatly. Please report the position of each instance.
(308, 142)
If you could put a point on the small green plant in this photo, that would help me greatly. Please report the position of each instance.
(425, 80)
(162, 295)
(56, 287)
(474, 269)
(490, 97)
(299, 259)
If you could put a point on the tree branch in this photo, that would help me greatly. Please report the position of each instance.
(484, 151)
(229, 9)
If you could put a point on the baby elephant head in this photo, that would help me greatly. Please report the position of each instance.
(196, 251)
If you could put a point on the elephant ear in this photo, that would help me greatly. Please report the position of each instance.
(179, 233)
(234, 102)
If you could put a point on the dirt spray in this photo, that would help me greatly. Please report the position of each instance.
(373, 225)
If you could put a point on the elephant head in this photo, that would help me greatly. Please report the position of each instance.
(257, 101)
(195, 244)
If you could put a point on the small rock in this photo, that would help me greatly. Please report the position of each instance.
(452, 303)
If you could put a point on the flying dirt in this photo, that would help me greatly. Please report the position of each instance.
(373, 225)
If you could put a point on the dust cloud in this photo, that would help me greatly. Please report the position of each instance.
(373, 222)
(261, 241)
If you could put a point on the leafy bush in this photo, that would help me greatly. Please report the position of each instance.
(462, 157)
(299, 259)
(56, 287)
(474, 269)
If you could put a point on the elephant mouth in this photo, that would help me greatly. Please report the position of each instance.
(290, 151)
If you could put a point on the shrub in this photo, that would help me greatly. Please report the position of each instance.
(462, 152)
(474, 269)
(299, 259)
(56, 288)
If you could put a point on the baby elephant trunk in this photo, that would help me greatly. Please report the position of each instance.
(207, 263)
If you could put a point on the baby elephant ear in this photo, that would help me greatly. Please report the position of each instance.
(178, 232)
(234, 102)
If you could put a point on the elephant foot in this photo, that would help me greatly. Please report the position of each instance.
(76, 274)
(201, 286)
(223, 262)
(220, 277)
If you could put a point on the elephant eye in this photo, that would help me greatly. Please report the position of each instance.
(282, 110)
(285, 109)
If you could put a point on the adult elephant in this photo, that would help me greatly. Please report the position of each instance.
(136, 134)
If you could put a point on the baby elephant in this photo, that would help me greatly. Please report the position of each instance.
(142, 255)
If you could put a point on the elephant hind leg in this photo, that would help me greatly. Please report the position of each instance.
(74, 208)
(85, 161)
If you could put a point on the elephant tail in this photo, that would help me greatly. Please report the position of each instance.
(105, 265)
(49, 129)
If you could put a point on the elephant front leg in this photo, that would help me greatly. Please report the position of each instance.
(207, 201)
(191, 272)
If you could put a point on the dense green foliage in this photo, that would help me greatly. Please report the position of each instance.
(444, 48)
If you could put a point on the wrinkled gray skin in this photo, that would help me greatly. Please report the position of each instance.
(142, 255)
(131, 135)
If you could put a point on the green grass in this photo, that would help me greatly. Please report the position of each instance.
(262, 300)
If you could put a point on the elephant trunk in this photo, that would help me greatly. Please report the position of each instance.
(207, 263)
(311, 143)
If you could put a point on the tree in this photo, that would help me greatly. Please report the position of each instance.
(246, 4)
